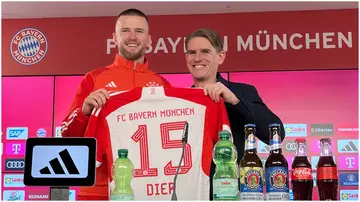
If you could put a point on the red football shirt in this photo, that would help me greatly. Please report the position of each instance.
(149, 122)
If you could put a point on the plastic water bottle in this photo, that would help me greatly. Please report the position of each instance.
(225, 180)
(122, 174)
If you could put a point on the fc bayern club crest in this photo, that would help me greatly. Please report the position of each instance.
(28, 46)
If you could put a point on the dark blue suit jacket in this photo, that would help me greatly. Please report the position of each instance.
(250, 109)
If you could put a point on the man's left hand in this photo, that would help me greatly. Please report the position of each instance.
(218, 90)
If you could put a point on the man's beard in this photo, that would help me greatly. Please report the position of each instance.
(131, 55)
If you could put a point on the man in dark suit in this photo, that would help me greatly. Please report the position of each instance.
(243, 104)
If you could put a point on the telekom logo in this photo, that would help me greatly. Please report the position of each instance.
(15, 148)
(350, 161)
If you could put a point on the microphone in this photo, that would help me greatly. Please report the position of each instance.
(184, 140)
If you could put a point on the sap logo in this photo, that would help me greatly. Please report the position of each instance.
(315, 160)
(72, 195)
(14, 181)
(348, 146)
(14, 195)
(41, 132)
(349, 195)
(263, 148)
(17, 133)
(348, 162)
(322, 129)
(349, 179)
(58, 132)
(15, 149)
(295, 130)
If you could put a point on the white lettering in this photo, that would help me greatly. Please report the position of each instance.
(267, 41)
(276, 40)
(348, 40)
(225, 43)
(249, 43)
(326, 40)
(173, 45)
(296, 47)
(149, 48)
(109, 45)
(262, 42)
(308, 40)
(161, 46)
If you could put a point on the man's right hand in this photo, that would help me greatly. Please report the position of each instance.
(96, 100)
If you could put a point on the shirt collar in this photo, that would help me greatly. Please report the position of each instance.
(120, 61)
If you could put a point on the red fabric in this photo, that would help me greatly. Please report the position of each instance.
(215, 118)
(123, 75)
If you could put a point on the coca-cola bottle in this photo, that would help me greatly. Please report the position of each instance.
(327, 175)
(301, 173)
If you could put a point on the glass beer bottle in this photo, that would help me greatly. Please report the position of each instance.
(251, 169)
(276, 168)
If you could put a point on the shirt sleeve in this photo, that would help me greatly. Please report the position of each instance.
(75, 122)
(99, 129)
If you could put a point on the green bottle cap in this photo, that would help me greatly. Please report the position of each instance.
(123, 152)
(224, 135)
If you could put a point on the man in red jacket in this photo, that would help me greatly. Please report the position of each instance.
(129, 70)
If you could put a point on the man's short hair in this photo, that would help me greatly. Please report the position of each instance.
(132, 12)
(210, 35)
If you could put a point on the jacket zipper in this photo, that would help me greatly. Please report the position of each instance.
(134, 75)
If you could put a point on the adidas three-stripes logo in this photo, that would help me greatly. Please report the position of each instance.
(111, 84)
(350, 147)
(56, 166)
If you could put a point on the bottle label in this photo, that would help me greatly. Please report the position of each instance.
(251, 183)
(277, 183)
(275, 141)
(122, 197)
(250, 142)
(225, 188)
(301, 173)
(327, 173)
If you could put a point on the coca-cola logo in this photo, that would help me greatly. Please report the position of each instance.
(301, 173)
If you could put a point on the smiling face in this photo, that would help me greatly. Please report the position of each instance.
(132, 37)
(203, 59)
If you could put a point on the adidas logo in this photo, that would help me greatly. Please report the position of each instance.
(348, 146)
(111, 85)
(263, 148)
(56, 166)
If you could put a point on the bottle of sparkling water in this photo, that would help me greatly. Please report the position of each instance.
(225, 180)
(122, 174)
